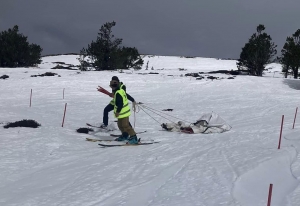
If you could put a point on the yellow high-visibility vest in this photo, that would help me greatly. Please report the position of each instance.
(125, 111)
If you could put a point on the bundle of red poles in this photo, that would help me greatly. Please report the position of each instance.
(104, 91)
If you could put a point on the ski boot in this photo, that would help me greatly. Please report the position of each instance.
(133, 140)
(123, 137)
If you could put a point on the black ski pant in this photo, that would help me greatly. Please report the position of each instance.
(106, 110)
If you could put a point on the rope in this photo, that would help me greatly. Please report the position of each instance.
(134, 111)
(149, 108)
(155, 113)
(149, 115)
(141, 106)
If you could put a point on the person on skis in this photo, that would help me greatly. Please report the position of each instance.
(122, 113)
(110, 106)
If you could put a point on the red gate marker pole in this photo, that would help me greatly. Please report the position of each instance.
(30, 97)
(270, 194)
(295, 117)
(280, 132)
(62, 125)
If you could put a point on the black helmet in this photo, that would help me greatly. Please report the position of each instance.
(115, 78)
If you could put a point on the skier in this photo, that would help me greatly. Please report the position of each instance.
(122, 113)
(110, 106)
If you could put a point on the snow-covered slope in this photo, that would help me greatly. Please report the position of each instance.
(54, 165)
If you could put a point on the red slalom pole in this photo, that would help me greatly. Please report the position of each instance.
(30, 97)
(280, 132)
(295, 117)
(270, 194)
(64, 115)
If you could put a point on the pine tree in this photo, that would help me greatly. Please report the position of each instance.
(106, 53)
(128, 57)
(290, 54)
(258, 52)
(105, 47)
(15, 51)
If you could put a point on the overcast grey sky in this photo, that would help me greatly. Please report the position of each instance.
(206, 28)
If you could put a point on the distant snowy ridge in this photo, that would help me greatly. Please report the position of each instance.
(199, 64)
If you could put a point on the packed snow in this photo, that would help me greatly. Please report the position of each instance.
(55, 165)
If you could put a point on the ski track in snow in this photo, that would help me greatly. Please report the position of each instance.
(148, 189)
(276, 171)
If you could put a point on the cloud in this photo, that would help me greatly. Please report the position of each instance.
(207, 28)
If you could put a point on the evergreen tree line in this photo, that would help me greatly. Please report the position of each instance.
(108, 53)
(15, 51)
(260, 50)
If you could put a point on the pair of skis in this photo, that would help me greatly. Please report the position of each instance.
(109, 141)
(108, 130)
(101, 128)
(119, 144)
(113, 135)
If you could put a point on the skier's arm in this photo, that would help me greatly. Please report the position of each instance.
(119, 102)
(130, 97)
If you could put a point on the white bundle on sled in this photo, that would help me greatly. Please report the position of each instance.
(207, 123)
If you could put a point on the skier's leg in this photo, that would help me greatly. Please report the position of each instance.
(106, 110)
(124, 135)
(124, 123)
